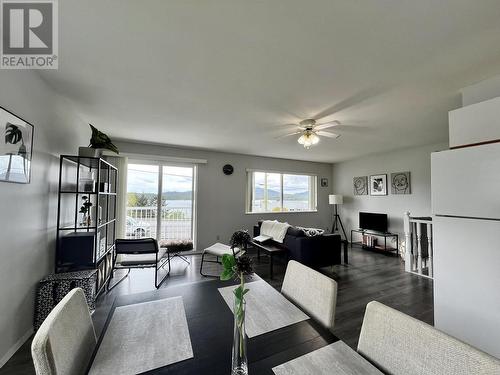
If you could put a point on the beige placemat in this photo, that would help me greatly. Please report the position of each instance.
(336, 358)
(144, 336)
(266, 308)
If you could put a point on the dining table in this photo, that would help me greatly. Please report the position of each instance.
(211, 324)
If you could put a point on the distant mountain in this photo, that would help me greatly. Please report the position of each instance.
(302, 196)
(259, 194)
(275, 195)
(271, 194)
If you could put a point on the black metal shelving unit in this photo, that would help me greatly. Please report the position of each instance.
(86, 245)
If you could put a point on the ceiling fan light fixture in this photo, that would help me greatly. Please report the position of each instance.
(314, 138)
(308, 139)
(310, 132)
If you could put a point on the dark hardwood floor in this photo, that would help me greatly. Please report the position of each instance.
(369, 276)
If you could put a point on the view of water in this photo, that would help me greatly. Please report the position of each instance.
(179, 204)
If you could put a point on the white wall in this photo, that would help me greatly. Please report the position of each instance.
(416, 160)
(481, 91)
(28, 212)
(221, 198)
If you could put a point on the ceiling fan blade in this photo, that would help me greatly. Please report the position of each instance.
(288, 135)
(328, 134)
(326, 125)
(355, 129)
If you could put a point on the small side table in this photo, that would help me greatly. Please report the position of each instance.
(270, 250)
(53, 288)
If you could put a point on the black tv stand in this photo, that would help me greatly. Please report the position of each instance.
(385, 235)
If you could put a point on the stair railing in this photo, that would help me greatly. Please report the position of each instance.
(419, 246)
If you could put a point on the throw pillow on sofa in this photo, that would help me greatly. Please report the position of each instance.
(312, 232)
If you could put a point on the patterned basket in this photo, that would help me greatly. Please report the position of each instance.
(53, 288)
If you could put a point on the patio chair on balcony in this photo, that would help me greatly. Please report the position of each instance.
(140, 253)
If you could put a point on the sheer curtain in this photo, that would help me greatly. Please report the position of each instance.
(121, 193)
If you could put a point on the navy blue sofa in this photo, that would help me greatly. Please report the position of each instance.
(315, 252)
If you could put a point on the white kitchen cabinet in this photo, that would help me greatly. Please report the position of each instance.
(475, 123)
(466, 182)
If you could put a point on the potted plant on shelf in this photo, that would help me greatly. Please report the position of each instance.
(237, 267)
(85, 211)
(98, 142)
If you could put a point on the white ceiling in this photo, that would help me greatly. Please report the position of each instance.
(227, 74)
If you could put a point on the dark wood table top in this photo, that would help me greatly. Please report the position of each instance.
(210, 323)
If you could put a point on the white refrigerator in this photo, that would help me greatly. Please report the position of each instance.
(466, 218)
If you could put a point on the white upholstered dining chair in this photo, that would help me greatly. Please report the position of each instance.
(399, 344)
(312, 291)
(64, 343)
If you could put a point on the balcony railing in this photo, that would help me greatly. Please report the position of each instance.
(176, 223)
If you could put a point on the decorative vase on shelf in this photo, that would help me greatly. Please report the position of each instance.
(86, 220)
(239, 359)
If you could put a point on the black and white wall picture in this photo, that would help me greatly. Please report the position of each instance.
(16, 146)
(400, 183)
(378, 184)
(324, 182)
(360, 185)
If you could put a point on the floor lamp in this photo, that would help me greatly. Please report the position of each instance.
(336, 200)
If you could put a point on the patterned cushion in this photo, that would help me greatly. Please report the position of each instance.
(177, 245)
(312, 232)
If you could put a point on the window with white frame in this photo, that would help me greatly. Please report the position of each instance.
(160, 200)
(280, 192)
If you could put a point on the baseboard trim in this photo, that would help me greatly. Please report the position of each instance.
(15, 347)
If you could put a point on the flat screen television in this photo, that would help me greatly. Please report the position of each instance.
(375, 222)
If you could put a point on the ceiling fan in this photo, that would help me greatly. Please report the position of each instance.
(310, 131)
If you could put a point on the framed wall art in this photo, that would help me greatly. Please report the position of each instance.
(378, 184)
(400, 183)
(360, 185)
(16, 148)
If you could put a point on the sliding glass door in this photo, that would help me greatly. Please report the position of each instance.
(177, 203)
(160, 201)
(142, 198)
